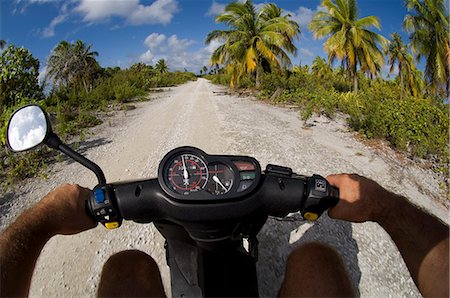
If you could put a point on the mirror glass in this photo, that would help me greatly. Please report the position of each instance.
(27, 128)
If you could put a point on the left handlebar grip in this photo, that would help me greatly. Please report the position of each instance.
(320, 196)
(102, 207)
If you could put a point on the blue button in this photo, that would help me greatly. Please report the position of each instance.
(99, 196)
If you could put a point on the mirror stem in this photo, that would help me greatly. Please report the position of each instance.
(54, 142)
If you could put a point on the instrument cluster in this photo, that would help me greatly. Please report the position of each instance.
(188, 173)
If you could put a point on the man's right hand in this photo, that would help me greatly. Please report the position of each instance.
(360, 199)
(421, 238)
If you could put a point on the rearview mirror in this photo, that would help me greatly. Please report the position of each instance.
(27, 128)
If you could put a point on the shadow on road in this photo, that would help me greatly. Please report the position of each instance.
(84, 146)
(275, 246)
(5, 205)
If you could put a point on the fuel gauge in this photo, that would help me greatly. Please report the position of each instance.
(220, 179)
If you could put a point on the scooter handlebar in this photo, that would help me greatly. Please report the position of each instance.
(277, 195)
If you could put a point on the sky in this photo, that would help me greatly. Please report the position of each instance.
(125, 32)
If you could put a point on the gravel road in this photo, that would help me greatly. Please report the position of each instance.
(129, 145)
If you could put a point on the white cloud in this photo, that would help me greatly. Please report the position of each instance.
(176, 52)
(63, 15)
(215, 9)
(303, 15)
(178, 45)
(98, 10)
(154, 40)
(306, 52)
(147, 57)
(159, 12)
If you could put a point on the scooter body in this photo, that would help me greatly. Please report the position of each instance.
(209, 208)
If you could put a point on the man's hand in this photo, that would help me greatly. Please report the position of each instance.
(361, 199)
(60, 212)
(64, 210)
(422, 240)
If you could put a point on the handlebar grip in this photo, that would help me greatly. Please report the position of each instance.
(320, 196)
(103, 208)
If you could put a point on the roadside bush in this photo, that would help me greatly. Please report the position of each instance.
(170, 79)
(416, 125)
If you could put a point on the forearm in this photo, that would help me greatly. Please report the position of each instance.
(423, 242)
(20, 246)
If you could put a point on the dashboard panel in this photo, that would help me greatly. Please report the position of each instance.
(189, 174)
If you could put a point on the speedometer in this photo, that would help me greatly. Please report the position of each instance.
(186, 173)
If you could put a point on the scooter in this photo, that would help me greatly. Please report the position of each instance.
(209, 208)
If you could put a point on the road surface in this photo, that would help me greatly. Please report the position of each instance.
(129, 145)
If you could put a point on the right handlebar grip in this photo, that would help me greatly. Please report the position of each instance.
(320, 196)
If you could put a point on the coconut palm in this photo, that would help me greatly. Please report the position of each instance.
(320, 68)
(59, 64)
(398, 55)
(349, 38)
(161, 66)
(72, 65)
(253, 39)
(428, 25)
(85, 64)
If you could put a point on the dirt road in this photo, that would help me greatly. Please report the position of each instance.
(130, 145)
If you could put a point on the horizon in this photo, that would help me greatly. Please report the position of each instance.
(132, 31)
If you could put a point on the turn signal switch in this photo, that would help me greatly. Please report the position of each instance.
(102, 208)
(320, 195)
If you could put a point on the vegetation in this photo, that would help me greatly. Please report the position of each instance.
(350, 39)
(411, 115)
(18, 76)
(428, 25)
(407, 72)
(80, 90)
(255, 41)
(161, 66)
(73, 66)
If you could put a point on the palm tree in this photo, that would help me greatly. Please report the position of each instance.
(161, 66)
(73, 65)
(320, 68)
(349, 38)
(398, 55)
(85, 65)
(428, 26)
(253, 39)
(59, 62)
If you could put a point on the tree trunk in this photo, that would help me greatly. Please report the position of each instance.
(258, 76)
(355, 82)
(401, 82)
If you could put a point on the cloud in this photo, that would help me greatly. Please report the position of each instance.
(95, 11)
(154, 40)
(303, 15)
(215, 9)
(159, 12)
(63, 15)
(176, 52)
(306, 52)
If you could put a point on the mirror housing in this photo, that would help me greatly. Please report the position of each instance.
(27, 128)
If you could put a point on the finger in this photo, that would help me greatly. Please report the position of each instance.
(333, 179)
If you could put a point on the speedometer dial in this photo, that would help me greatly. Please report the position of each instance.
(220, 179)
(186, 173)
